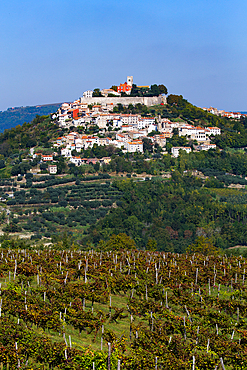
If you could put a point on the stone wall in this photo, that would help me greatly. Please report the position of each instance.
(125, 100)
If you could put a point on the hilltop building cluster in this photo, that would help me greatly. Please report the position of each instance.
(123, 131)
(222, 113)
(129, 132)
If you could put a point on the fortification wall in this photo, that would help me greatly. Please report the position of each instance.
(125, 100)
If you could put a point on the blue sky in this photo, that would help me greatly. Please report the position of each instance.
(53, 50)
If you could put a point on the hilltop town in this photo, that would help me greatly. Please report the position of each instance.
(129, 124)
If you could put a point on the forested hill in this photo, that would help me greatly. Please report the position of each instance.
(18, 115)
(172, 213)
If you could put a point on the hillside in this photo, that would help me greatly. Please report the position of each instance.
(18, 115)
(181, 198)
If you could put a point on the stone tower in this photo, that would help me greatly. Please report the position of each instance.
(130, 80)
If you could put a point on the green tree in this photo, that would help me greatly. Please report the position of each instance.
(154, 90)
(174, 99)
(151, 245)
(97, 93)
(43, 166)
(204, 246)
(2, 163)
(118, 242)
(163, 89)
(147, 145)
(135, 91)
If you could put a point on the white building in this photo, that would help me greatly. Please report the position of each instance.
(106, 92)
(88, 94)
(134, 146)
(76, 160)
(129, 119)
(47, 158)
(64, 120)
(78, 121)
(103, 119)
(52, 169)
(186, 130)
(152, 127)
(214, 130)
(206, 146)
(127, 128)
(66, 152)
(175, 150)
(200, 135)
(117, 123)
(78, 147)
(123, 137)
(119, 144)
(145, 122)
(194, 133)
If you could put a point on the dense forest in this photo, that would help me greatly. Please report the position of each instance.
(173, 213)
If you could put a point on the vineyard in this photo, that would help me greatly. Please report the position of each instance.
(122, 309)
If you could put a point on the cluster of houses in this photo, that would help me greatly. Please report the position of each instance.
(128, 130)
(176, 149)
(222, 113)
(132, 129)
(74, 141)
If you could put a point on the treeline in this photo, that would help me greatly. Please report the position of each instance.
(224, 161)
(211, 163)
(153, 90)
(132, 109)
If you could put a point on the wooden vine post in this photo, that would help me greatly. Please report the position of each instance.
(222, 364)
(109, 357)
